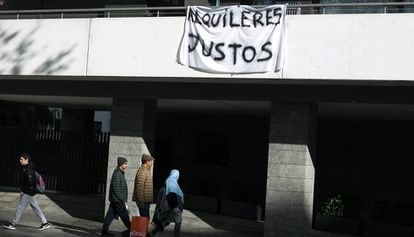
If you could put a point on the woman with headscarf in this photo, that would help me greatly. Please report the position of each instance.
(170, 203)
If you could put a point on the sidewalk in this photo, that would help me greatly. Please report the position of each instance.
(64, 224)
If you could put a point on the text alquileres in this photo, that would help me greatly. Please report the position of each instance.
(233, 39)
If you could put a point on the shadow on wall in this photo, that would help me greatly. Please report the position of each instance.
(18, 51)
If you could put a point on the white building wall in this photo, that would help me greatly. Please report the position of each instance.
(44, 47)
(370, 46)
(361, 47)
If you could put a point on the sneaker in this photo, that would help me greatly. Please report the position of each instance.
(44, 226)
(9, 226)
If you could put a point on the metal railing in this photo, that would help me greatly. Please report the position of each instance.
(331, 8)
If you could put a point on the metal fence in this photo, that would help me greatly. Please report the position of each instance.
(294, 8)
(69, 161)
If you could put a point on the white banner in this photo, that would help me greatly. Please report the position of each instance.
(233, 39)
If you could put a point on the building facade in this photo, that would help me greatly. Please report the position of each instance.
(329, 122)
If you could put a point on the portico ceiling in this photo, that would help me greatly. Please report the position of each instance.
(325, 110)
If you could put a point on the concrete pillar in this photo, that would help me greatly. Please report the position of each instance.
(291, 170)
(132, 134)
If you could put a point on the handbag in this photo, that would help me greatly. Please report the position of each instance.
(139, 226)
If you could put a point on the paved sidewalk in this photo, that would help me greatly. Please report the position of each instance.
(72, 215)
(64, 224)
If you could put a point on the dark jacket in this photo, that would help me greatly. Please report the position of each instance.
(164, 210)
(118, 192)
(27, 180)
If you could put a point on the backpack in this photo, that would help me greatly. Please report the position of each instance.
(40, 183)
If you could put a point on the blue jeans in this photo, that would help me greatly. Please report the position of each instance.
(144, 209)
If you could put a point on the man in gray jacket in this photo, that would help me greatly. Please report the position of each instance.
(118, 194)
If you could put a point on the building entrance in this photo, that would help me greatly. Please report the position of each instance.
(220, 155)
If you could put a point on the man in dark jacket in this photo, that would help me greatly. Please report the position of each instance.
(118, 194)
(27, 194)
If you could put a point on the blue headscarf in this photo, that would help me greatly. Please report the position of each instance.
(172, 184)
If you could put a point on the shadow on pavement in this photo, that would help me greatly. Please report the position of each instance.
(89, 207)
(231, 224)
(76, 230)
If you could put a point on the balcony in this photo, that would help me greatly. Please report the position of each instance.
(294, 8)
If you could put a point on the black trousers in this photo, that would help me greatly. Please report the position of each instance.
(116, 208)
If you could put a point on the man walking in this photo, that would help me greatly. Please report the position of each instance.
(143, 187)
(27, 194)
(118, 194)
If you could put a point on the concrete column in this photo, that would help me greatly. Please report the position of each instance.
(291, 170)
(132, 134)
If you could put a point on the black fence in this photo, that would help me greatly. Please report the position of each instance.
(69, 161)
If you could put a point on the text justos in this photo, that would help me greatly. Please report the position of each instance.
(228, 19)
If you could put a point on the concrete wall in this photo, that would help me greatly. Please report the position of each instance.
(350, 47)
(44, 47)
(365, 47)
